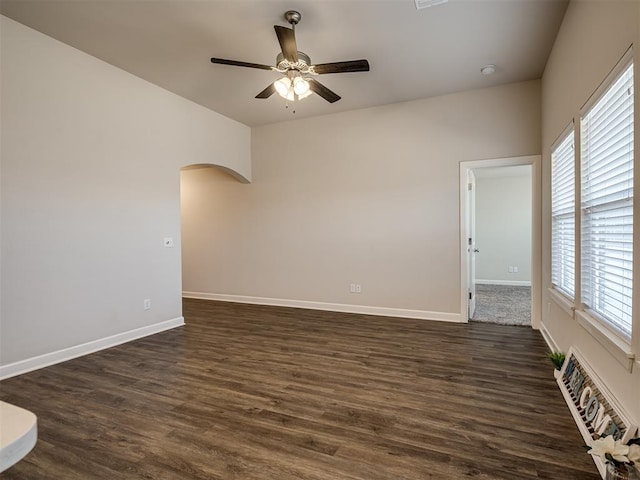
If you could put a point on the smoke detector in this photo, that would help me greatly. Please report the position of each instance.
(488, 69)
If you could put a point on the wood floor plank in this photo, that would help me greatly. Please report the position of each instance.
(260, 393)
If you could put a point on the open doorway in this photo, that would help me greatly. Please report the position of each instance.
(207, 195)
(498, 241)
(502, 245)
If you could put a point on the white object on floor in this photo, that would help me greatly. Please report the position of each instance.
(18, 434)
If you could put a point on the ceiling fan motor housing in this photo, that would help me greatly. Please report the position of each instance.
(302, 65)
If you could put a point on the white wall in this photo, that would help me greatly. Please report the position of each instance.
(90, 186)
(503, 226)
(593, 37)
(367, 197)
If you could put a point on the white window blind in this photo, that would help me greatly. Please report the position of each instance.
(607, 204)
(563, 222)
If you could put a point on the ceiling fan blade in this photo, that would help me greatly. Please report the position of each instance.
(342, 67)
(235, 63)
(267, 92)
(287, 39)
(324, 92)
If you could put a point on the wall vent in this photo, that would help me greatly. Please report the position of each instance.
(420, 4)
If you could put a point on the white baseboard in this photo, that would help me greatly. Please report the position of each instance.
(515, 283)
(331, 307)
(553, 346)
(48, 359)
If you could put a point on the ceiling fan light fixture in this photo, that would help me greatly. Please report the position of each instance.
(283, 86)
(300, 86)
(304, 95)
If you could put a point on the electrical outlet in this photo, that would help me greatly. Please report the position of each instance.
(515, 269)
(510, 269)
(355, 288)
(358, 288)
(147, 304)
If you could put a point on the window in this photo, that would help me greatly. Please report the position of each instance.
(563, 222)
(607, 203)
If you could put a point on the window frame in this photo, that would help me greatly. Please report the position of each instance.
(594, 316)
(567, 295)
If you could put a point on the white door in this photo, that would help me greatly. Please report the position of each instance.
(471, 242)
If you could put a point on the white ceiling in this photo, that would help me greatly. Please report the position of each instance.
(413, 54)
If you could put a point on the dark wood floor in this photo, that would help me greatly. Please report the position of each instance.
(250, 392)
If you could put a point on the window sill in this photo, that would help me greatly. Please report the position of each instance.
(616, 346)
(562, 301)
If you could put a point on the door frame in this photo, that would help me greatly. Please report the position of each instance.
(536, 229)
(470, 239)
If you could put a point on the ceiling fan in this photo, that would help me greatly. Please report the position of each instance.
(296, 67)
